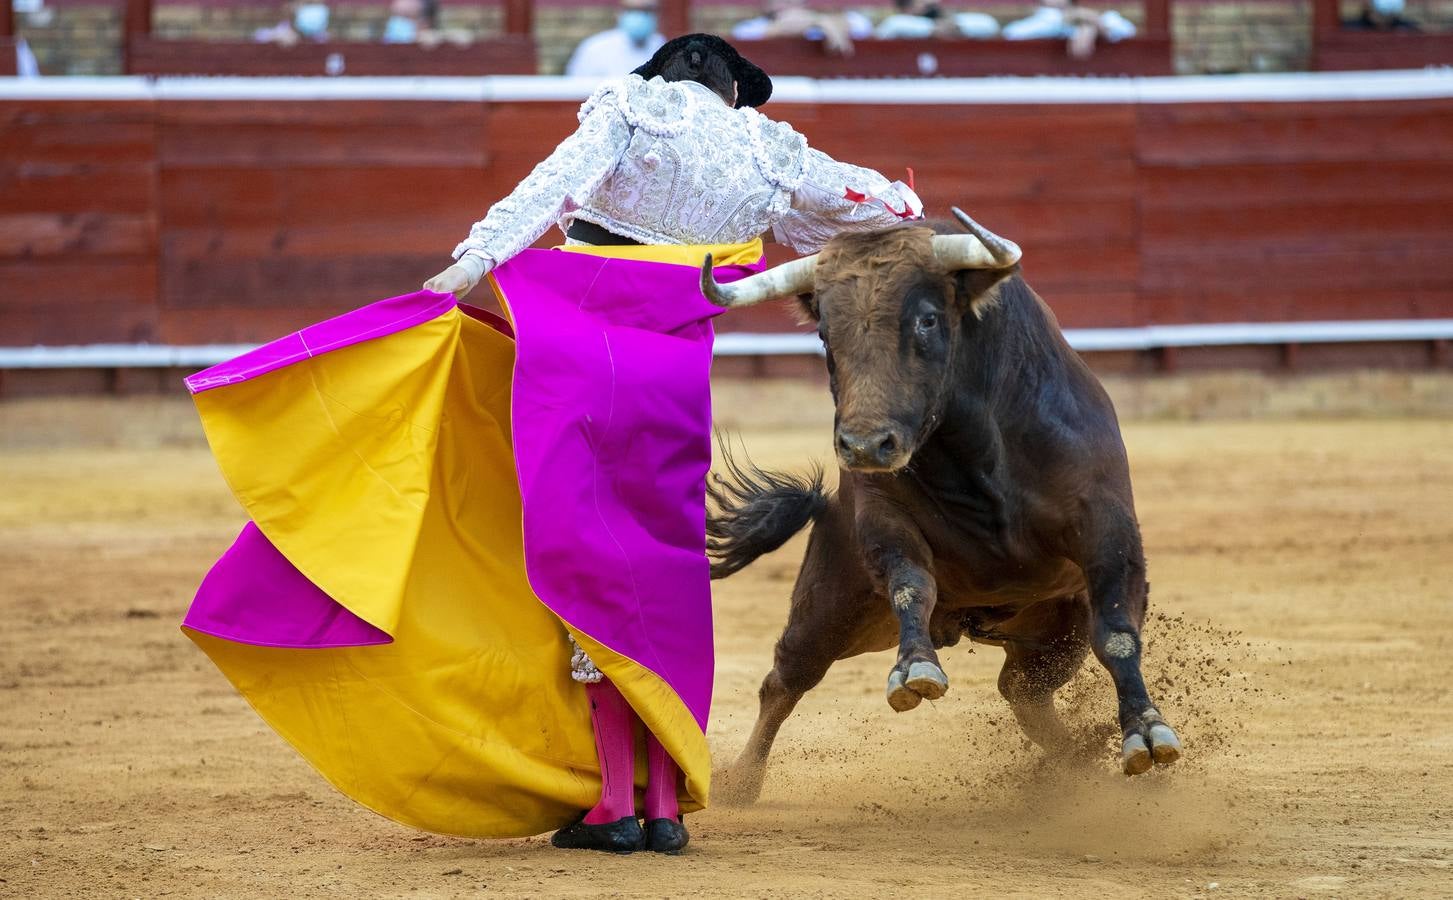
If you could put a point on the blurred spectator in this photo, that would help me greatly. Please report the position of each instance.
(792, 18)
(25, 64)
(417, 22)
(924, 18)
(37, 15)
(412, 22)
(1382, 15)
(1080, 26)
(624, 48)
(307, 21)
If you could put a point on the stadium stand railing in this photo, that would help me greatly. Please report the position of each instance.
(1335, 48)
(510, 53)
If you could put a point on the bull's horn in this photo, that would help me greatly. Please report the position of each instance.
(779, 281)
(979, 249)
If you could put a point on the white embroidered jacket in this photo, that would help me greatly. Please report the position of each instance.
(670, 163)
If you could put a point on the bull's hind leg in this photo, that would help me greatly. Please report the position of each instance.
(833, 616)
(1118, 598)
(1044, 646)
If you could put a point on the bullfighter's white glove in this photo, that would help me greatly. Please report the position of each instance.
(460, 278)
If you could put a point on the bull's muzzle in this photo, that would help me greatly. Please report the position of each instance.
(881, 450)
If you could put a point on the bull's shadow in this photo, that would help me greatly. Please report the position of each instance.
(984, 492)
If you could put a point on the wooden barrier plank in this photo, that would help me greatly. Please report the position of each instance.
(291, 196)
(1178, 187)
(1388, 217)
(967, 180)
(333, 134)
(242, 325)
(1280, 274)
(338, 282)
(1091, 307)
(910, 133)
(34, 235)
(42, 186)
(1200, 133)
(77, 300)
(422, 235)
(1203, 304)
(1037, 222)
(77, 131)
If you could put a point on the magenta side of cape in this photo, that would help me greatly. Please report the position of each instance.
(612, 435)
(253, 595)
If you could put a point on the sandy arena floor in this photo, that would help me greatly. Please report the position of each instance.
(1302, 642)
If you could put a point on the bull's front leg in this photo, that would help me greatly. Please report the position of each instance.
(899, 563)
(1118, 598)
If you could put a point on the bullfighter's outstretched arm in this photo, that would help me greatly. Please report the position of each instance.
(563, 181)
(834, 197)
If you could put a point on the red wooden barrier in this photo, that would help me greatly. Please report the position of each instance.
(188, 222)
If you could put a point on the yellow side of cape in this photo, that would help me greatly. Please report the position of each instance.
(383, 471)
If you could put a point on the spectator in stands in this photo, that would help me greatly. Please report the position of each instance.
(37, 15)
(1080, 26)
(1382, 15)
(792, 18)
(412, 22)
(307, 21)
(417, 22)
(622, 49)
(925, 18)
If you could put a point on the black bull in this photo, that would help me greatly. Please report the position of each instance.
(984, 491)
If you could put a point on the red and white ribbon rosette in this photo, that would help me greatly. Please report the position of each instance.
(912, 205)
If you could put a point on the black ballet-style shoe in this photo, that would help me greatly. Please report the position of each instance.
(621, 836)
(666, 836)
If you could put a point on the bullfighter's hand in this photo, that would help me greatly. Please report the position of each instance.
(454, 280)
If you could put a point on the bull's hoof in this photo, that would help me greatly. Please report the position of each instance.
(899, 696)
(1135, 755)
(1165, 746)
(927, 680)
(923, 681)
(1149, 742)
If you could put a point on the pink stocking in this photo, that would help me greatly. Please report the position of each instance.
(661, 782)
(615, 745)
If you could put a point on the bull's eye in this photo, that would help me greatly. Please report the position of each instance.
(927, 322)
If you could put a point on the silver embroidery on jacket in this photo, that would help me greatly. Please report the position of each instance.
(669, 163)
(582, 668)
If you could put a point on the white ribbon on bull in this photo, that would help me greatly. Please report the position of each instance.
(979, 249)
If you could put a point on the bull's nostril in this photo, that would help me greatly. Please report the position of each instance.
(844, 445)
(888, 446)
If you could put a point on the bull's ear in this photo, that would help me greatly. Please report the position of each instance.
(806, 309)
(977, 290)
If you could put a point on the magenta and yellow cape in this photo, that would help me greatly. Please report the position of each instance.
(436, 496)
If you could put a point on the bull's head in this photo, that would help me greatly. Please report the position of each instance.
(889, 307)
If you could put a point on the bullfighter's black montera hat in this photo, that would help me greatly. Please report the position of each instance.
(753, 86)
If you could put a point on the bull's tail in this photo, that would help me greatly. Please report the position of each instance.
(753, 511)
